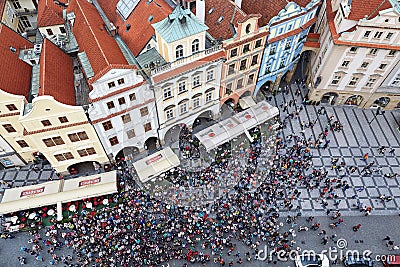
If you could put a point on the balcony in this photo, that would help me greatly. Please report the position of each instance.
(26, 12)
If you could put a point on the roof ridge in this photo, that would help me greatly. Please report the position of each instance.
(94, 35)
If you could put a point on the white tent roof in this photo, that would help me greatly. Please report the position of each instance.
(228, 129)
(246, 102)
(49, 193)
(156, 164)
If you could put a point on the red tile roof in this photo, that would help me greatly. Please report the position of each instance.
(49, 14)
(141, 30)
(101, 49)
(227, 9)
(56, 74)
(268, 8)
(370, 8)
(15, 73)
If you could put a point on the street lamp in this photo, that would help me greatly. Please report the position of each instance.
(379, 111)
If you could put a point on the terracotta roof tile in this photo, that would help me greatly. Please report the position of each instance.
(101, 49)
(370, 8)
(225, 8)
(56, 74)
(49, 14)
(15, 73)
(268, 8)
(141, 30)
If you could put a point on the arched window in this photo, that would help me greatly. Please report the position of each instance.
(179, 51)
(248, 27)
(195, 46)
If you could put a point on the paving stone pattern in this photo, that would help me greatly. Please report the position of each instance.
(357, 138)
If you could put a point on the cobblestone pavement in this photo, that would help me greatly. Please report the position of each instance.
(357, 138)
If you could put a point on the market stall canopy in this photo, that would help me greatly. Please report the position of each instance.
(223, 131)
(50, 193)
(246, 102)
(156, 164)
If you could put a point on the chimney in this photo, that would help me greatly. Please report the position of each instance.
(201, 10)
(238, 3)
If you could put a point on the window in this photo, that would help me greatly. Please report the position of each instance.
(181, 87)
(254, 60)
(288, 44)
(246, 48)
(147, 127)
(9, 128)
(126, 118)
(46, 122)
(196, 81)
(378, 35)
(11, 107)
(364, 65)
(49, 32)
(22, 143)
(234, 52)
(396, 81)
(86, 152)
(144, 111)
(353, 49)
(392, 52)
(243, 64)
(268, 68)
(113, 141)
(336, 79)
(80, 136)
(196, 102)
(167, 93)
(62, 30)
(130, 133)
(258, 43)
(389, 35)
(345, 63)
(16, 4)
(382, 66)
(111, 84)
(132, 97)
(54, 141)
(228, 89)
(169, 113)
(373, 51)
(183, 108)
(239, 84)
(120, 81)
(370, 82)
(272, 50)
(110, 105)
(121, 101)
(231, 69)
(366, 34)
(64, 156)
(179, 52)
(210, 75)
(63, 119)
(250, 80)
(209, 97)
(353, 81)
(107, 125)
(248, 27)
(195, 46)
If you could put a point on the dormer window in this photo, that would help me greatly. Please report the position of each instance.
(179, 52)
(195, 46)
(248, 28)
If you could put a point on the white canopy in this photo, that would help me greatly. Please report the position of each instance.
(49, 193)
(156, 164)
(228, 129)
(246, 102)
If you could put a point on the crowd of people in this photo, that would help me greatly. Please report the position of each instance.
(143, 230)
